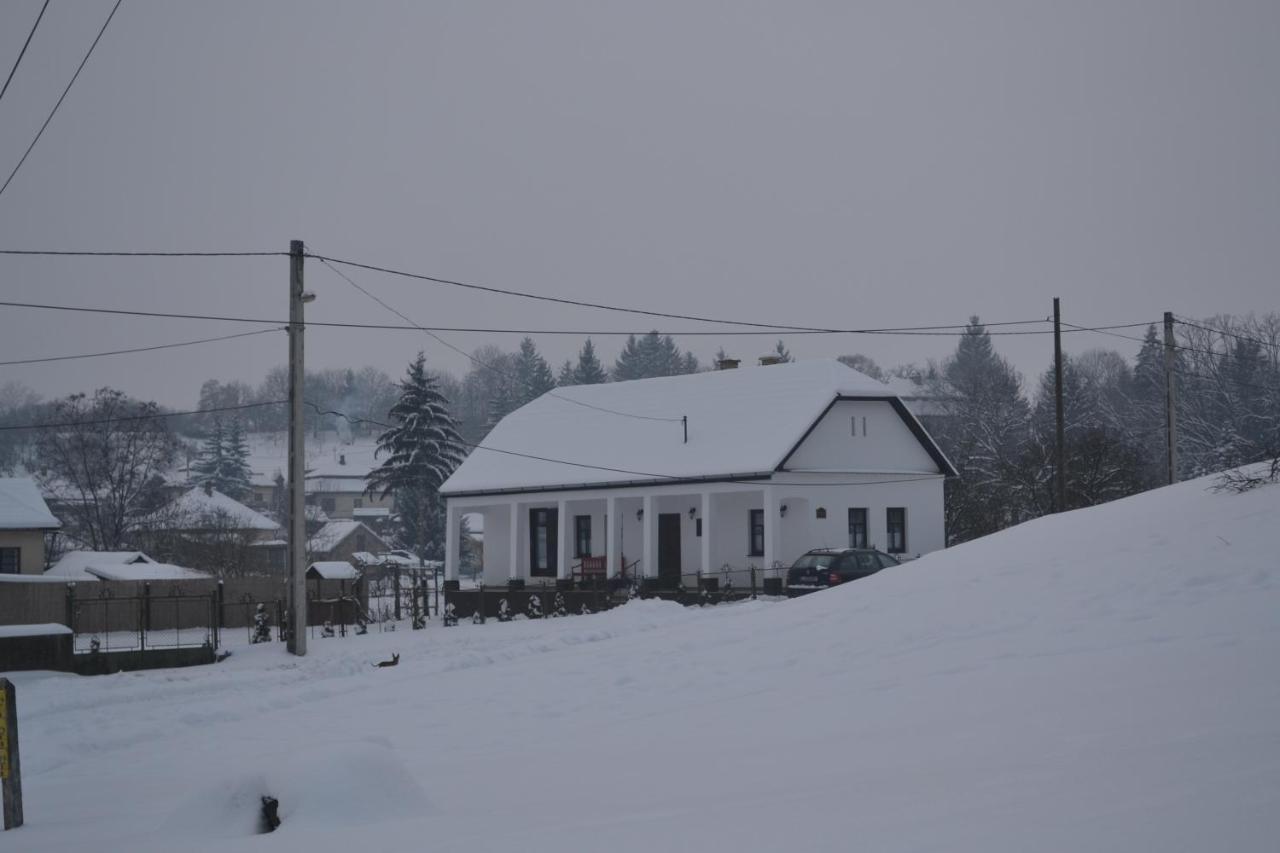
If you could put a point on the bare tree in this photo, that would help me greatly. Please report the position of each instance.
(101, 457)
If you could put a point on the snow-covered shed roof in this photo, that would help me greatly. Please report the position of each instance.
(741, 422)
(74, 564)
(145, 572)
(197, 504)
(22, 507)
(333, 570)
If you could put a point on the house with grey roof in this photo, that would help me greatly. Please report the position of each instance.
(25, 524)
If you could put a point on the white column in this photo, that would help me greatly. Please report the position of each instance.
(513, 567)
(453, 521)
(649, 525)
(707, 531)
(613, 523)
(771, 528)
(564, 550)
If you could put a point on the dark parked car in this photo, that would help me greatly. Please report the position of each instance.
(824, 567)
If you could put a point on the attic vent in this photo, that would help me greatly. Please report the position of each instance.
(727, 363)
(766, 360)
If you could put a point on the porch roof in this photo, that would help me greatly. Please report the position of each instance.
(741, 423)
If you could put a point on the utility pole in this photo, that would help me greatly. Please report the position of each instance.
(297, 458)
(1170, 398)
(1060, 448)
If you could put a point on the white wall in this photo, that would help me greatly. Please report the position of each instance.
(888, 445)
(922, 500)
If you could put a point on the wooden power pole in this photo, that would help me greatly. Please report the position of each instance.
(298, 297)
(1060, 445)
(1170, 399)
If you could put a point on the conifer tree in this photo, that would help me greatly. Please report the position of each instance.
(566, 375)
(419, 451)
(781, 351)
(589, 371)
(533, 375)
(236, 473)
(208, 467)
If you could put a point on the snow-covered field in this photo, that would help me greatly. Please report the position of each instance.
(1103, 680)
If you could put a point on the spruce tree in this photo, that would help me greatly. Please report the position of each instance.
(207, 469)
(589, 371)
(781, 351)
(566, 376)
(533, 375)
(235, 475)
(419, 452)
(630, 362)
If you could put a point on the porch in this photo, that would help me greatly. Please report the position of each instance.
(718, 536)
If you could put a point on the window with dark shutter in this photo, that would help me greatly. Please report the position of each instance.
(858, 527)
(756, 525)
(896, 524)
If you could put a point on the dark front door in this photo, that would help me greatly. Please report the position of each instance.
(669, 547)
(544, 527)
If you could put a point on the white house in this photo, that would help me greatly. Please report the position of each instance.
(739, 468)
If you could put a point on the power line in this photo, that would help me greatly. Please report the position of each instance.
(485, 364)
(23, 52)
(63, 253)
(146, 417)
(80, 68)
(905, 330)
(604, 307)
(1229, 380)
(139, 349)
(1259, 341)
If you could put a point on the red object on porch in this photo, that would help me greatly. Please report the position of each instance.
(594, 567)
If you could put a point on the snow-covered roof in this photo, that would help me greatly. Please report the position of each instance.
(74, 564)
(196, 504)
(334, 570)
(145, 572)
(328, 537)
(22, 507)
(741, 422)
(365, 558)
(45, 630)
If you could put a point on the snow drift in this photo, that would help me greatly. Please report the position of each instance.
(1100, 680)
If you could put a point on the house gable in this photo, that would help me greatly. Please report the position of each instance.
(866, 435)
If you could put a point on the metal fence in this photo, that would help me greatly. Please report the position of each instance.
(105, 621)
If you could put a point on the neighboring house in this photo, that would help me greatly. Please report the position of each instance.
(342, 540)
(745, 467)
(83, 566)
(25, 521)
(214, 532)
(337, 485)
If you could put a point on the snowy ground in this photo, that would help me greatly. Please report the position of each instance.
(1103, 680)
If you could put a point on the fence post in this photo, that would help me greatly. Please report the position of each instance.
(144, 624)
(396, 579)
(10, 767)
(71, 607)
(753, 582)
(220, 602)
(215, 617)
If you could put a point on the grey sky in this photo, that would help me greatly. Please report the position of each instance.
(857, 164)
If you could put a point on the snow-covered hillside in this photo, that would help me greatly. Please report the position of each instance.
(1103, 680)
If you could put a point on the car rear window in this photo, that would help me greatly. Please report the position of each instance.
(815, 561)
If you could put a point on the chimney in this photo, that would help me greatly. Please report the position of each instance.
(727, 363)
(772, 358)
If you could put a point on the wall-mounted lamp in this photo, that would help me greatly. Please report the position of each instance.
(693, 511)
(639, 514)
(782, 510)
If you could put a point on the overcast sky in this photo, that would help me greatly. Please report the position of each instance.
(816, 163)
